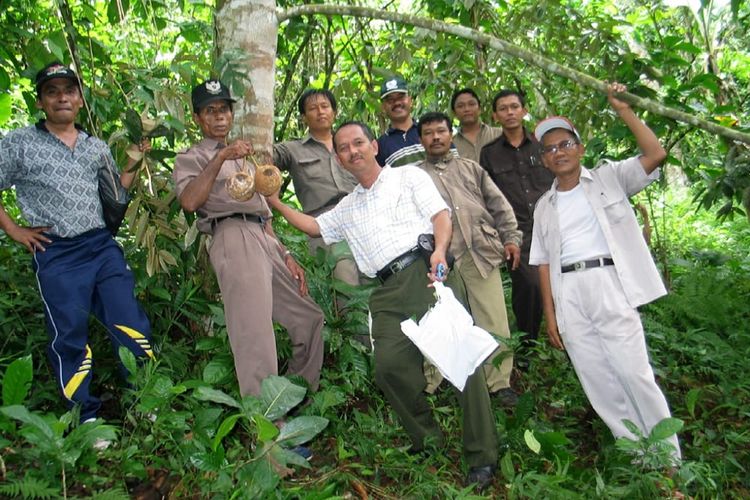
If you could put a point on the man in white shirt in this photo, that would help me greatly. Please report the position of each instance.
(595, 269)
(381, 220)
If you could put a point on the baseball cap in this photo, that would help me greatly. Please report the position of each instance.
(55, 69)
(393, 85)
(553, 122)
(208, 92)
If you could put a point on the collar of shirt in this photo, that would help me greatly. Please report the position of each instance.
(392, 130)
(384, 172)
(527, 137)
(441, 162)
(42, 126)
(210, 144)
(585, 175)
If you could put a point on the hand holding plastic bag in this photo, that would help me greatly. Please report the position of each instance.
(446, 335)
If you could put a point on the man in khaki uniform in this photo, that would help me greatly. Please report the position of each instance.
(319, 181)
(485, 234)
(259, 280)
(473, 134)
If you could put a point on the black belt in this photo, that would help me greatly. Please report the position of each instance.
(398, 264)
(246, 217)
(588, 264)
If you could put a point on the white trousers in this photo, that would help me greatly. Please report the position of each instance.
(605, 341)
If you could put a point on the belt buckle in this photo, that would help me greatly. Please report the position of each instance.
(579, 266)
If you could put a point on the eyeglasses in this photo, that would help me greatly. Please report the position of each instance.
(560, 146)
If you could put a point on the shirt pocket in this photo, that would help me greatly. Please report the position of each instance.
(311, 169)
(616, 209)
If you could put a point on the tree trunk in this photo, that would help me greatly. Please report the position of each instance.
(513, 50)
(251, 26)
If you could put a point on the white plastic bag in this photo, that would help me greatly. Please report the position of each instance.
(446, 335)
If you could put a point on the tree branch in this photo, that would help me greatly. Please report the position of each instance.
(513, 50)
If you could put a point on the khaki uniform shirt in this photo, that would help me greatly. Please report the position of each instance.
(189, 164)
(319, 180)
(470, 150)
(483, 220)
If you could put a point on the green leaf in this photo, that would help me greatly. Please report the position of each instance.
(266, 428)
(22, 414)
(217, 370)
(128, 360)
(132, 121)
(301, 429)
(17, 381)
(506, 467)
(531, 441)
(259, 477)
(225, 428)
(692, 399)
(5, 108)
(665, 428)
(215, 396)
(280, 395)
(4, 80)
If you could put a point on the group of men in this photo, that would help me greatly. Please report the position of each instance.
(366, 202)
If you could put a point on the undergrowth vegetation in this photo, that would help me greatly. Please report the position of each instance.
(180, 429)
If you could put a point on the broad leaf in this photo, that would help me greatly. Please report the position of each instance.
(280, 395)
(224, 429)
(665, 428)
(267, 430)
(17, 381)
(301, 429)
(215, 396)
(531, 441)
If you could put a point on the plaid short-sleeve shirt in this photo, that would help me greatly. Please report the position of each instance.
(384, 221)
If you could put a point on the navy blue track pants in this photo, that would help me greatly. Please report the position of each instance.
(76, 277)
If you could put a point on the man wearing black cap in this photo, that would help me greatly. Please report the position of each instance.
(595, 269)
(80, 269)
(259, 279)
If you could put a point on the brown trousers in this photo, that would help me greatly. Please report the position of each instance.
(258, 289)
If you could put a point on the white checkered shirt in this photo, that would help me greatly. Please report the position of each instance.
(384, 221)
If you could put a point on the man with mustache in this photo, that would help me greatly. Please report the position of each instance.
(382, 220)
(259, 279)
(80, 269)
(485, 235)
(400, 144)
(595, 269)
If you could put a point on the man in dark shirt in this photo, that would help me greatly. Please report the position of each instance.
(514, 162)
(400, 144)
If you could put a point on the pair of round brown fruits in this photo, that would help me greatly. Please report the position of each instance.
(242, 185)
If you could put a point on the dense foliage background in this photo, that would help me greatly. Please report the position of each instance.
(181, 430)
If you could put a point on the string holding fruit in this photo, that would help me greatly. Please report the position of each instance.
(241, 184)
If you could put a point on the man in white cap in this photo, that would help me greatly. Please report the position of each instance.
(595, 269)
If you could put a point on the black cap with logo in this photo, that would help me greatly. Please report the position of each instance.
(208, 92)
(55, 70)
